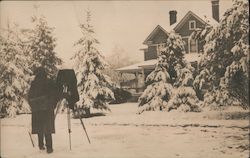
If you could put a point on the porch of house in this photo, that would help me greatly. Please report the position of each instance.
(138, 73)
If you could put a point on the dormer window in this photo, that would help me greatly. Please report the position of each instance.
(192, 25)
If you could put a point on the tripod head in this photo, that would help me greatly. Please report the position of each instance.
(67, 84)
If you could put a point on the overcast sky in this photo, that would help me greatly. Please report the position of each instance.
(125, 24)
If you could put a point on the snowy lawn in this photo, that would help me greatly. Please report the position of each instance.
(124, 134)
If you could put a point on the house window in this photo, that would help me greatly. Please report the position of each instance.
(193, 47)
(192, 25)
(159, 47)
(186, 42)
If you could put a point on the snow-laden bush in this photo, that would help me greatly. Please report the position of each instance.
(155, 97)
(121, 96)
(93, 84)
(184, 98)
(221, 98)
(217, 99)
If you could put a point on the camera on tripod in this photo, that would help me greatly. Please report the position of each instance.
(67, 85)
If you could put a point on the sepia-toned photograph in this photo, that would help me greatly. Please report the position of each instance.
(124, 79)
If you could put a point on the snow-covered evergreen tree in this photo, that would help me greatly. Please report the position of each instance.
(15, 73)
(159, 82)
(93, 85)
(226, 59)
(42, 47)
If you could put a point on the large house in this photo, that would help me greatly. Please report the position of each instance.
(184, 27)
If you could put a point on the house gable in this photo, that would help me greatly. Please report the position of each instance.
(158, 35)
(184, 27)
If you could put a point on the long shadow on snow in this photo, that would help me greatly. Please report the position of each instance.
(90, 115)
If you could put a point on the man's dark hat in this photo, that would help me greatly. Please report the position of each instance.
(39, 71)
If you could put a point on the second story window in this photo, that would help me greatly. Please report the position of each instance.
(159, 48)
(193, 48)
(192, 25)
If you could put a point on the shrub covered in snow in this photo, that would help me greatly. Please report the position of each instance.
(184, 98)
(225, 58)
(155, 96)
(217, 99)
(121, 96)
(93, 84)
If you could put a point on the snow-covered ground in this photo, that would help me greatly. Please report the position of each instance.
(124, 134)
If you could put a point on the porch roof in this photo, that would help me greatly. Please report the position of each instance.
(150, 64)
(138, 66)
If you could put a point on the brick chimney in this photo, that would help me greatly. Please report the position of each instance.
(172, 16)
(215, 10)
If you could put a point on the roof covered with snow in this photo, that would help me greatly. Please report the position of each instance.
(138, 67)
(152, 34)
(150, 64)
(201, 17)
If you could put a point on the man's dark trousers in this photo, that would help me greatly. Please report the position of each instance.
(48, 140)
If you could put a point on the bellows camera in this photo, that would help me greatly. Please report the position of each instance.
(67, 84)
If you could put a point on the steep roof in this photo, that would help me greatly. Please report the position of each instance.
(206, 20)
(202, 18)
(151, 35)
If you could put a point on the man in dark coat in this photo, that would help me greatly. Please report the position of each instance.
(43, 98)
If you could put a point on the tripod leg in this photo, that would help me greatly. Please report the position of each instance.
(69, 128)
(31, 139)
(83, 125)
(58, 105)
